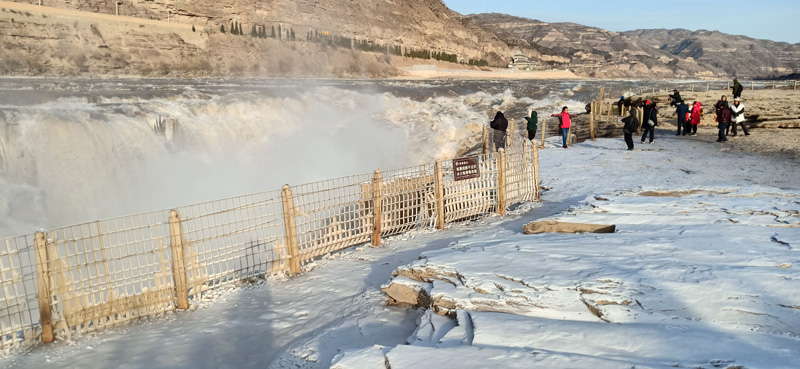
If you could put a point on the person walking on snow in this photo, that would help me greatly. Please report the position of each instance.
(650, 120)
(737, 114)
(682, 110)
(631, 125)
(500, 125)
(566, 123)
(531, 126)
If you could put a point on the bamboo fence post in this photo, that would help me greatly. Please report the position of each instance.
(536, 171)
(439, 182)
(752, 85)
(610, 109)
(602, 93)
(377, 199)
(544, 130)
(178, 263)
(290, 229)
(773, 85)
(484, 140)
(501, 182)
(43, 281)
(591, 119)
(511, 130)
(525, 156)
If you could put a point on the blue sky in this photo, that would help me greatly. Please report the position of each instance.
(775, 20)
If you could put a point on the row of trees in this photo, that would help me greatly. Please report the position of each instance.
(349, 43)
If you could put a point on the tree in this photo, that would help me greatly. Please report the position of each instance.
(253, 32)
(273, 32)
(193, 30)
(280, 32)
(222, 28)
(241, 32)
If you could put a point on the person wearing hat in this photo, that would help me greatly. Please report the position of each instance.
(737, 111)
(675, 98)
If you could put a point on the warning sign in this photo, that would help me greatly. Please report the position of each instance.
(466, 168)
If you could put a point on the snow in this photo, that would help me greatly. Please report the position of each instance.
(702, 272)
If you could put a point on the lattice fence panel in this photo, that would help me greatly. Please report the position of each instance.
(470, 198)
(333, 215)
(519, 173)
(408, 199)
(19, 300)
(234, 239)
(108, 272)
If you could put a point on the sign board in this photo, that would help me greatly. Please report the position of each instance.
(466, 168)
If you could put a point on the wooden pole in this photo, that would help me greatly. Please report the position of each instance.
(178, 263)
(485, 143)
(591, 119)
(610, 109)
(752, 85)
(536, 171)
(773, 85)
(544, 130)
(707, 87)
(525, 176)
(795, 84)
(43, 280)
(510, 132)
(692, 87)
(439, 182)
(377, 199)
(290, 229)
(602, 95)
(729, 85)
(501, 182)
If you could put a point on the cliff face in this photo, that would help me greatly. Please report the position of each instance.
(149, 36)
(738, 56)
(644, 53)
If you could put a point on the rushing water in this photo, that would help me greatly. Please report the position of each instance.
(74, 150)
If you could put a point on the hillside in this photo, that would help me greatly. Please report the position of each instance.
(662, 53)
(86, 38)
(736, 55)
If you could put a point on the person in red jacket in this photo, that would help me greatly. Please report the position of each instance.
(694, 120)
(564, 116)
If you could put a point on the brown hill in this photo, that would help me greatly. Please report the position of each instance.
(184, 38)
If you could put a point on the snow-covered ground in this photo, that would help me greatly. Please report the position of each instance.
(702, 272)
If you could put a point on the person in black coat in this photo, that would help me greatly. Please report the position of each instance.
(500, 125)
(675, 98)
(631, 125)
(650, 116)
(682, 109)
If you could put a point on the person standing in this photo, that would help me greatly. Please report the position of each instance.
(500, 125)
(682, 110)
(619, 105)
(531, 126)
(737, 88)
(650, 120)
(722, 103)
(675, 98)
(724, 119)
(631, 125)
(737, 115)
(566, 123)
(697, 113)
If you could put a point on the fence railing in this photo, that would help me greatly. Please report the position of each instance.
(87, 277)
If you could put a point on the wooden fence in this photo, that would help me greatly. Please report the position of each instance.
(87, 277)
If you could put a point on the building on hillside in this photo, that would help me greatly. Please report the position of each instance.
(521, 61)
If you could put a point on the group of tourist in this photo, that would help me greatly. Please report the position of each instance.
(727, 117)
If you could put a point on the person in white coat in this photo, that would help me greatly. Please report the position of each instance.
(737, 111)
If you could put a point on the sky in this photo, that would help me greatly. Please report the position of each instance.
(772, 20)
